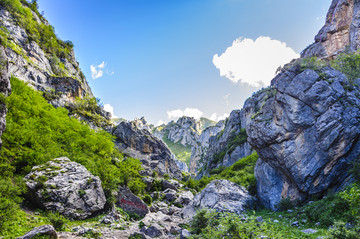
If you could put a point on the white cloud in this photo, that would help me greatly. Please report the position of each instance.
(226, 98)
(160, 122)
(191, 112)
(217, 118)
(253, 62)
(95, 70)
(110, 109)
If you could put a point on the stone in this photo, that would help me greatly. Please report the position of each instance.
(170, 195)
(303, 129)
(45, 230)
(148, 182)
(295, 224)
(130, 203)
(317, 224)
(152, 231)
(222, 196)
(184, 234)
(341, 32)
(138, 235)
(111, 217)
(309, 231)
(172, 184)
(184, 198)
(66, 187)
(259, 219)
(152, 152)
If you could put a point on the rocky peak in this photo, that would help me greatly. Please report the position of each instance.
(57, 74)
(143, 124)
(340, 33)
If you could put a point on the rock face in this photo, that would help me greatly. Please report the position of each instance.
(199, 150)
(46, 230)
(228, 146)
(65, 187)
(131, 203)
(37, 67)
(305, 128)
(340, 33)
(152, 152)
(222, 196)
(5, 90)
(185, 131)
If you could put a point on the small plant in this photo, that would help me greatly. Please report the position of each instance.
(166, 176)
(147, 199)
(285, 204)
(57, 220)
(141, 224)
(342, 231)
(82, 193)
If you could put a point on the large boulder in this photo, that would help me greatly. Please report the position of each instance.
(305, 128)
(340, 33)
(222, 196)
(66, 187)
(152, 152)
(130, 203)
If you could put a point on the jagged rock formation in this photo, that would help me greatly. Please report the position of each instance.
(340, 33)
(185, 131)
(152, 152)
(305, 128)
(199, 150)
(143, 124)
(228, 146)
(222, 196)
(5, 90)
(35, 66)
(65, 187)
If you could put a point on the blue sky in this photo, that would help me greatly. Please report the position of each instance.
(158, 55)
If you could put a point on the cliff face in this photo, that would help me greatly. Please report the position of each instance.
(306, 129)
(58, 74)
(227, 146)
(341, 32)
(152, 152)
(5, 90)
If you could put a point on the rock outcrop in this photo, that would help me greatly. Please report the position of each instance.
(65, 187)
(305, 128)
(340, 33)
(5, 90)
(47, 231)
(199, 150)
(130, 203)
(185, 131)
(228, 146)
(222, 196)
(34, 65)
(152, 152)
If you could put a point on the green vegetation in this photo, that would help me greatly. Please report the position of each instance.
(182, 153)
(241, 172)
(43, 34)
(205, 123)
(90, 109)
(349, 64)
(35, 133)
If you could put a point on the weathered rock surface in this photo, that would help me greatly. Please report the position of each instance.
(45, 230)
(131, 203)
(65, 187)
(340, 33)
(5, 90)
(184, 198)
(199, 150)
(185, 131)
(222, 196)
(305, 128)
(35, 67)
(152, 152)
(228, 146)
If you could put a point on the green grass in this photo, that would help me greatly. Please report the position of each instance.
(182, 153)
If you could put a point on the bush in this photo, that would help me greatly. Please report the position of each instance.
(285, 204)
(57, 220)
(199, 222)
(147, 199)
(349, 64)
(341, 231)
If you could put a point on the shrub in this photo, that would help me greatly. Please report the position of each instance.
(285, 204)
(199, 221)
(349, 64)
(341, 231)
(147, 199)
(57, 220)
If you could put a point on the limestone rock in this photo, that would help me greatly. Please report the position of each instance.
(45, 230)
(305, 129)
(228, 146)
(5, 90)
(172, 184)
(65, 187)
(131, 203)
(184, 198)
(340, 33)
(222, 196)
(152, 152)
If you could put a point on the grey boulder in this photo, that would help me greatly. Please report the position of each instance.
(130, 203)
(66, 187)
(222, 196)
(45, 230)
